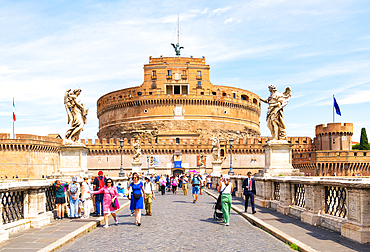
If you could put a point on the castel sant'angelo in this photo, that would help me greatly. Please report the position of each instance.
(174, 115)
(178, 100)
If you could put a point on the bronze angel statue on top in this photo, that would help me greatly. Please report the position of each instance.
(77, 113)
(275, 113)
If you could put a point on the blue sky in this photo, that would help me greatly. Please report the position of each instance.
(318, 48)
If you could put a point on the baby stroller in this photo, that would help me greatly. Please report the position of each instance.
(218, 215)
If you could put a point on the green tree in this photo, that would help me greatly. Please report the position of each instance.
(364, 144)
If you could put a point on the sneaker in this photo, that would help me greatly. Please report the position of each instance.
(116, 222)
(105, 226)
(131, 214)
(139, 224)
(193, 201)
(227, 224)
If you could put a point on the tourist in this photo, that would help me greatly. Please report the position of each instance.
(74, 192)
(92, 195)
(86, 198)
(99, 183)
(157, 181)
(225, 188)
(162, 182)
(168, 183)
(195, 182)
(136, 197)
(249, 186)
(185, 185)
(110, 202)
(60, 197)
(174, 184)
(149, 195)
(209, 182)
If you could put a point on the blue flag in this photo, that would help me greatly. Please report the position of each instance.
(336, 106)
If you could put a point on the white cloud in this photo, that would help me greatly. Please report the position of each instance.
(218, 11)
(229, 20)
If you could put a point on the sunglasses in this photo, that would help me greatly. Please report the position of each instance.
(109, 182)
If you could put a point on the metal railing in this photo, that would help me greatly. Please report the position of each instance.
(299, 195)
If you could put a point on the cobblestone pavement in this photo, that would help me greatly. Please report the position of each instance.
(178, 225)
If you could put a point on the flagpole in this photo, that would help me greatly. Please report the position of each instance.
(333, 110)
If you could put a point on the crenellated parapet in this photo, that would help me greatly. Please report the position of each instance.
(27, 142)
(190, 145)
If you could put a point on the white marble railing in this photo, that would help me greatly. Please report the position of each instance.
(340, 204)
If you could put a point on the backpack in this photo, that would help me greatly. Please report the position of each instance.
(198, 181)
(101, 183)
(73, 188)
(174, 182)
(163, 183)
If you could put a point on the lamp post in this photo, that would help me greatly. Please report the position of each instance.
(147, 160)
(205, 164)
(231, 141)
(121, 173)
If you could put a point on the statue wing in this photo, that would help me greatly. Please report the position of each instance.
(173, 45)
(67, 105)
(286, 97)
(181, 47)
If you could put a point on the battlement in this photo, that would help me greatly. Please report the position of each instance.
(334, 128)
(179, 60)
(167, 145)
(23, 139)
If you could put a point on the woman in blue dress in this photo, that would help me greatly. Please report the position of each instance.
(137, 197)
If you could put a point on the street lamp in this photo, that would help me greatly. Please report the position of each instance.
(147, 160)
(231, 141)
(205, 164)
(121, 173)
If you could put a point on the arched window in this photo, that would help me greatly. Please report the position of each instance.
(244, 97)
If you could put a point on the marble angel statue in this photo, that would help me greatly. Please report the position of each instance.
(137, 151)
(77, 115)
(215, 148)
(202, 159)
(275, 113)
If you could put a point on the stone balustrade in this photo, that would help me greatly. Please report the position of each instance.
(340, 204)
(25, 204)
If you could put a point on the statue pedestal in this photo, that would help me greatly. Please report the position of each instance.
(216, 168)
(278, 159)
(136, 167)
(73, 162)
(151, 169)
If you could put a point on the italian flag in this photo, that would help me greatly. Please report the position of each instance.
(14, 110)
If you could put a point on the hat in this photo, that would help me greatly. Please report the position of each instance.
(226, 177)
(100, 173)
(74, 178)
(147, 177)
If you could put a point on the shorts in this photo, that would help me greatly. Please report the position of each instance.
(60, 200)
(195, 189)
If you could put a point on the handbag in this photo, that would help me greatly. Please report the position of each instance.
(114, 205)
(218, 205)
(137, 195)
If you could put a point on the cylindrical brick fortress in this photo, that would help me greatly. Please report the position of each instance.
(177, 99)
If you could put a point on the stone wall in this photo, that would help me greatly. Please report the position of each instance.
(29, 156)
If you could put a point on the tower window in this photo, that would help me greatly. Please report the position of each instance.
(154, 73)
(223, 94)
(199, 73)
(169, 72)
(213, 93)
(199, 84)
(154, 84)
(178, 140)
(234, 95)
(184, 72)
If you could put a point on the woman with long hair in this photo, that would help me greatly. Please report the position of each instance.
(110, 202)
(60, 197)
(225, 188)
(137, 197)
